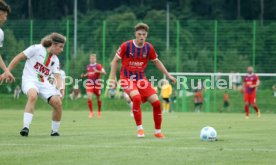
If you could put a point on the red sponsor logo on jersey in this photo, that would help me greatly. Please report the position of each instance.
(42, 69)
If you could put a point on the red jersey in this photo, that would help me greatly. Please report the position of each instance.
(250, 79)
(198, 98)
(135, 59)
(91, 75)
(225, 97)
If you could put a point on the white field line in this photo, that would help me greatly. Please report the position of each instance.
(145, 147)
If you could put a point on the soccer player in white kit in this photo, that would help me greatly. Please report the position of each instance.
(4, 11)
(41, 62)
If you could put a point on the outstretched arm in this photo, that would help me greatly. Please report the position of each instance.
(2, 64)
(7, 75)
(16, 60)
(114, 66)
(162, 68)
(5, 69)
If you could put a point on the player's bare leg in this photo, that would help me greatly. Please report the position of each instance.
(157, 115)
(129, 102)
(56, 103)
(29, 111)
(90, 104)
(136, 109)
(258, 112)
(99, 101)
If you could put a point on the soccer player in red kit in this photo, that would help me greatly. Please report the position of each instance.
(135, 55)
(93, 83)
(251, 82)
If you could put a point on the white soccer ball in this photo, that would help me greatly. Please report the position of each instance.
(208, 134)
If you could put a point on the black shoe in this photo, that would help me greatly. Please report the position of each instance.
(54, 133)
(24, 131)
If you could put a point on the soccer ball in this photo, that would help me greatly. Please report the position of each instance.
(208, 134)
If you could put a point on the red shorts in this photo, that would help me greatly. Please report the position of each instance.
(143, 86)
(250, 98)
(93, 89)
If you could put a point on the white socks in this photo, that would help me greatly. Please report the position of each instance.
(27, 119)
(157, 131)
(139, 127)
(55, 126)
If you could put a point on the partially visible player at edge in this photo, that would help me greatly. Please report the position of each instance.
(135, 55)
(93, 84)
(4, 11)
(251, 82)
(41, 62)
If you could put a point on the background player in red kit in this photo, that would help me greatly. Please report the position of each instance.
(251, 82)
(93, 84)
(135, 55)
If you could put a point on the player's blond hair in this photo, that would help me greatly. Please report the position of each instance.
(93, 55)
(142, 26)
(48, 40)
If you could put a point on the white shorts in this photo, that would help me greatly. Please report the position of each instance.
(45, 90)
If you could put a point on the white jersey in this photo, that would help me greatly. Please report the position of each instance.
(40, 64)
(1, 38)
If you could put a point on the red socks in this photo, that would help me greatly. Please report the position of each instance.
(90, 105)
(136, 109)
(157, 114)
(246, 109)
(256, 109)
(99, 105)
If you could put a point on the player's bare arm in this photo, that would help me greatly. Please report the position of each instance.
(59, 84)
(7, 74)
(256, 85)
(162, 68)
(114, 66)
(100, 71)
(2, 64)
(20, 57)
(83, 75)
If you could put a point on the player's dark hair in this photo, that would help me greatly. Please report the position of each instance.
(48, 40)
(5, 7)
(142, 26)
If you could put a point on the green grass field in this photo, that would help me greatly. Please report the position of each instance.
(112, 139)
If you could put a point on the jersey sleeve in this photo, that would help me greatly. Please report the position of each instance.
(121, 51)
(55, 67)
(99, 67)
(152, 54)
(30, 51)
